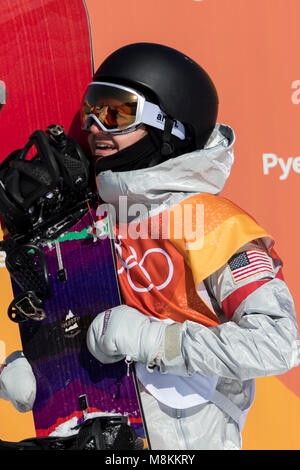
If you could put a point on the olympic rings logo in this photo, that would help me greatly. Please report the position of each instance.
(132, 260)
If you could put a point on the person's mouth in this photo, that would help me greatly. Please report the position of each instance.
(104, 149)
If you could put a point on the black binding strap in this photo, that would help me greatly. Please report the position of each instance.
(100, 433)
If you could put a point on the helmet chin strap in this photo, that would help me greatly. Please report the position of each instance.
(167, 147)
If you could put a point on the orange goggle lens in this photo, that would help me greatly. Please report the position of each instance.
(113, 107)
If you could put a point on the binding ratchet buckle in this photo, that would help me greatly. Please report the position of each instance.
(26, 306)
(28, 268)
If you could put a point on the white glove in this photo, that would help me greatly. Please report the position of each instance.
(125, 332)
(17, 382)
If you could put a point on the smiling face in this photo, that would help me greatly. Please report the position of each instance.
(105, 144)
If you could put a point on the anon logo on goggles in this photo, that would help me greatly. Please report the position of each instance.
(119, 110)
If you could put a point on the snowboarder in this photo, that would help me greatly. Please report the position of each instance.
(197, 364)
(203, 315)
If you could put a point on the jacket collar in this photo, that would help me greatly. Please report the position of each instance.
(162, 186)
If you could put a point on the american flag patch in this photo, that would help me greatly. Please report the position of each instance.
(249, 263)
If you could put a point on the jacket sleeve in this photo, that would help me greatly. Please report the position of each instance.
(257, 336)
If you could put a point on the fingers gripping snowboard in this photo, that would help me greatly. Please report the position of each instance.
(53, 48)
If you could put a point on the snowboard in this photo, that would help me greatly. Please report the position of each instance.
(47, 67)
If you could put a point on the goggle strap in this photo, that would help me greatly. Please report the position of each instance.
(153, 116)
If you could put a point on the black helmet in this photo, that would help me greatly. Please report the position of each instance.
(181, 88)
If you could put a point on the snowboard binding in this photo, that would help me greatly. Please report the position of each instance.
(27, 265)
(40, 197)
(101, 433)
(39, 194)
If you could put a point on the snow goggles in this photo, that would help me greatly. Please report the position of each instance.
(119, 110)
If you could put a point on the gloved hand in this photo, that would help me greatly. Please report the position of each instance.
(17, 382)
(125, 332)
